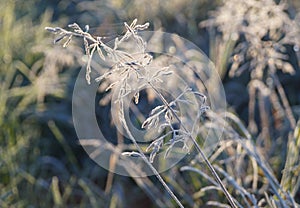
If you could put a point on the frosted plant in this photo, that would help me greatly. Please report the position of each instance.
(132, 69)
(259, 39)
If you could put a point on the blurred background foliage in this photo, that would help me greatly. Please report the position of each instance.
(41, 163)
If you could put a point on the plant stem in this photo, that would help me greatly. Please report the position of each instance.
(145, 159)
(285, 102)
(198, 148)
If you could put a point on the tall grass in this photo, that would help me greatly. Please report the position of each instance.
(244, 162)
(32, 83)
(257, 160)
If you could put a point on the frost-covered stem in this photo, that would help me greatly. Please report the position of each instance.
(198, 148)
(285, 102)
(145, 159)
(86, 36)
